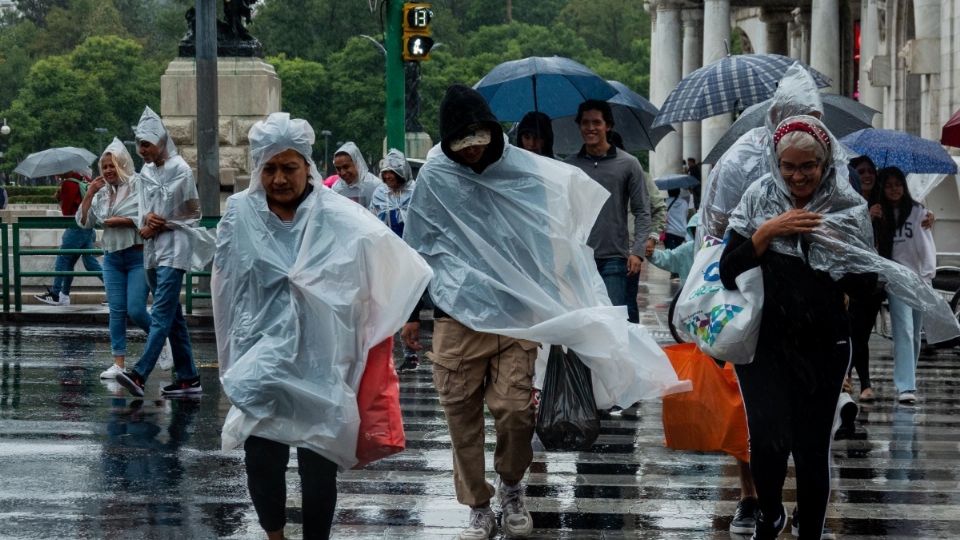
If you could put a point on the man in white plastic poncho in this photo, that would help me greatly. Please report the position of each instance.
(505, 232)
(169, 210)
(356, 181)
(300, 295)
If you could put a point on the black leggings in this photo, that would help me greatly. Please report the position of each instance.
(863, 315)
(266, 462)
(790, 407)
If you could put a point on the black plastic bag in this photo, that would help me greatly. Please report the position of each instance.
(567, 418)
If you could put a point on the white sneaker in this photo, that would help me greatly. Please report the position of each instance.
(483, 525)
(111, 372)
(165, 361)
(64, 299)
(516, 519)
(908, 398)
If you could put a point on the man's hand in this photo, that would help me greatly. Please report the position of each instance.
(928, 221)
(117, 221)
(634, 263)
(155, 222)
(147, 232)
(411, 335)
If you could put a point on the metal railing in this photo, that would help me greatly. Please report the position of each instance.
(16, 275)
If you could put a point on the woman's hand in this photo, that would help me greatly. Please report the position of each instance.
(794, 221)
(876, 212)
(95, 186)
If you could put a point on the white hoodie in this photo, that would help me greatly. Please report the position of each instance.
(913, 245)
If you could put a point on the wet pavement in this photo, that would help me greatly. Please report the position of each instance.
(80, 459)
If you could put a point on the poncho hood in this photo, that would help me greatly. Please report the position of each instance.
(538, 124)
(396, 162)
(150, 128)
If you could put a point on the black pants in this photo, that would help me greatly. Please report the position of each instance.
(266, 462)
(863, 315)
(790, 407)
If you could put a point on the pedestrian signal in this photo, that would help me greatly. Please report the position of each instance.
(416, 31)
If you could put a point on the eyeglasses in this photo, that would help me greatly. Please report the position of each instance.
(806, 169)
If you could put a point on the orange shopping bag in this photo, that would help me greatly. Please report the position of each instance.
(378, 400)
(710, 417)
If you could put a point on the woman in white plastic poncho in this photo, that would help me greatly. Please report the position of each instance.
(300, 295)
(111, 203)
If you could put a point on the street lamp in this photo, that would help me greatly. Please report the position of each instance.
(4, 133)
(326, 149)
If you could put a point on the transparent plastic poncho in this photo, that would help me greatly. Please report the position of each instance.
(843, 243)
(297, 306)
(118, 200)
(509, 252)
(170, 191)
(745, 162)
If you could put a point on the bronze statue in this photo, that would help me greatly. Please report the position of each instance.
(233, 39)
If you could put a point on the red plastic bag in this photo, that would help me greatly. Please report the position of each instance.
(378, 400)
(710, 417)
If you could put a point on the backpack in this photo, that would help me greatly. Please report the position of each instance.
(83, 186)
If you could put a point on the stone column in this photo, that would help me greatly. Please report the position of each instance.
(665, 78)
(651, 8)
(716, 31)
(795, 48)
(870, 95)
(825, 41)
(692, 60)
(925, 61)
(777, 35)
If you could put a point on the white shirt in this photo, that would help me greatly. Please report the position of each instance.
(913, 245)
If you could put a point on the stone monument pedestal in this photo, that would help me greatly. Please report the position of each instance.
(248, 91)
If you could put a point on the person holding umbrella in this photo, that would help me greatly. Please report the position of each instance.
(535, 133)
(73, 188)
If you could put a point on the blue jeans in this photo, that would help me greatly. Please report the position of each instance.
(906, 323)
(166, 321)
(74, 239)
(614, 274)
(126, 293)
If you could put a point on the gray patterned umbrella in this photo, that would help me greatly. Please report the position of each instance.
(56, 161)
(841, 115)
(733, 82)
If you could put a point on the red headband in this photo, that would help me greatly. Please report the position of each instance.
(819, 134)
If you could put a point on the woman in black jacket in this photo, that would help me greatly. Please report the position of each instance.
(790, 390)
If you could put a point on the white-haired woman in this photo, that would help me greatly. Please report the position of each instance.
(300, 295)
(791, 388)
(111, 203)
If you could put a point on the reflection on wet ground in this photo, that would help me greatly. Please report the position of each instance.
(80, 459)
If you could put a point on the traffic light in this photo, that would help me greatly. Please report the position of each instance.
(416, 31)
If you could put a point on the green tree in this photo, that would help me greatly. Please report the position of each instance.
(15, 58)
(312, 29)
(608, 25)
(357, 100)
(67, 27)
(36, 11)
(304, 82)
(58, 105)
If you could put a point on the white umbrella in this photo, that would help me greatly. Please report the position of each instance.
(56, 161)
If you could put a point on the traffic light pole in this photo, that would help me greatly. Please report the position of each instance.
(395, 113)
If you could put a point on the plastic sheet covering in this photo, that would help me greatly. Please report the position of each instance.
(170, 191)
(389, 206)
(119, 200)
(296, 309)
(510, 256)
(843, 243)
(745, 162)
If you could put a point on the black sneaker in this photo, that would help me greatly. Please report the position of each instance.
(182, 388)
(827, 534)
(768, 529)
(745, 518)
(48, 297)
(132, 381)
(410, 363)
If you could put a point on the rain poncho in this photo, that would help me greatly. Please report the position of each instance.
(170, 192)
(362, 190)
(298, 305)
(115, 201)
(390, 206)
(843, 243)
(509, 250)
(745, 162)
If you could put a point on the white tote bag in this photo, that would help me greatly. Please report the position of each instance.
(724, 324)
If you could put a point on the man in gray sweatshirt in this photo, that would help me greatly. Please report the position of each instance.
(621, 174)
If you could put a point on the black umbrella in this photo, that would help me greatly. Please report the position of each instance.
(841, 115)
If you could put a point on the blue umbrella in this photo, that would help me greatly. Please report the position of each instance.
(555, 86)
(632, 118)
(911, 154)
(733, 82)
(676, 181)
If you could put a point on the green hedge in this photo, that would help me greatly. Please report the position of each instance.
(31, 194)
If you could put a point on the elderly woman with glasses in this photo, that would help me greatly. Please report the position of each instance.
(791, 388)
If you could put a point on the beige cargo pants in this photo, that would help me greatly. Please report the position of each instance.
(472, 367)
